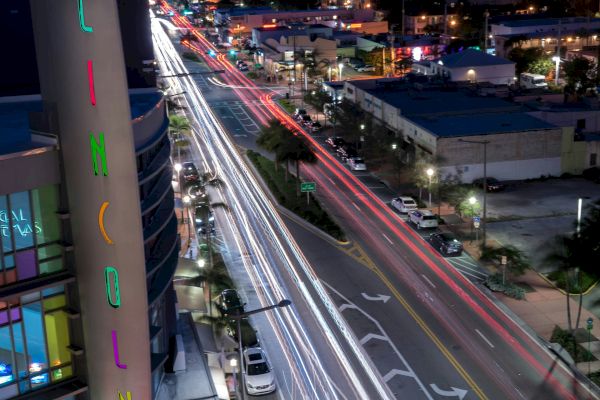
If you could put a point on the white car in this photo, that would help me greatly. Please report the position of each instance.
(366, 68)
(357, 164)
(423, 219)
(259, 375)
(404, 204)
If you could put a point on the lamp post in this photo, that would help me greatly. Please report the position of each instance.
(186, 202)
(361, 137)
(329, 73)
(472, 201)
(429, 173)
(233, 363)
(238, 317)
(485, 188)
(556, 60)
(340, 67)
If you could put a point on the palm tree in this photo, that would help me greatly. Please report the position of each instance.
(179, 124)
(213, 276)
(296, 149)
(271, 138)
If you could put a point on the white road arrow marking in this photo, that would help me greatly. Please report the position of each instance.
(455, 392)
(370, 336)
(346, 306)
(395, 372)
(379, 297)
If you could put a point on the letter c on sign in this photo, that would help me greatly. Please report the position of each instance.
(113, 301)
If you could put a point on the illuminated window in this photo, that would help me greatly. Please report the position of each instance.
(34, 340)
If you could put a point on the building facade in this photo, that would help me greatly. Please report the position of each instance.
(87, 224)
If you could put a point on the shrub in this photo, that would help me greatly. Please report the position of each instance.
(567, 341)
(494, 282)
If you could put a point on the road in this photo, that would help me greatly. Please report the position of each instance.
(437, 335)
(324, 361)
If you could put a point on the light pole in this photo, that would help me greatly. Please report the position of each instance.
(485, 186)
(340, 67)
(233, 363)
(238, 317)
(329, 73)
(186, 202)
(472, 201)
(556, 60)
(429, 173)
(361, 138)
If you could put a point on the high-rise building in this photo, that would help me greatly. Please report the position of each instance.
(88, 233)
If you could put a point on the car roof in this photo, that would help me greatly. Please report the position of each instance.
(405, 198)
(254, 355)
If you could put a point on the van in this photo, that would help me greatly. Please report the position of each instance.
(533, 81)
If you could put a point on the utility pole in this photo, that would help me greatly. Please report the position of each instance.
(485, 186)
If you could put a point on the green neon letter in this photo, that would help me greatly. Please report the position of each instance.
(115, 301)
(82, 24)
(128, 394)
(98, 148)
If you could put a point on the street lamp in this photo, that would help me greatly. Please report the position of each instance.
(394, 146)
(238, 317)
(429, 173)
(556, 60)
(233, 363)
(485, 186)
(201, 263)
(340, 67)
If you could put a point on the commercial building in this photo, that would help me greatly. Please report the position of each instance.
(243, 19)
(88, 231)
(469, 66)
(425, 23)
(574, 33)
(431, 123)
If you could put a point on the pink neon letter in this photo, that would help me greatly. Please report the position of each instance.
(90, 68)
(116, 351)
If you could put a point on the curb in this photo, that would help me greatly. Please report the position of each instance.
(564, 291)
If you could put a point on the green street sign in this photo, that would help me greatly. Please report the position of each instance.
(308, 187)
(590, 324)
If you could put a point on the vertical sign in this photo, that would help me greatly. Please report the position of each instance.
(98, 153)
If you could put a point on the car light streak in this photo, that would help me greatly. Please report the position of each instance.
(220, 147)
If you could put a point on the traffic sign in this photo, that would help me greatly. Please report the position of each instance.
(476, 218)
(308, 187)
(590, 324)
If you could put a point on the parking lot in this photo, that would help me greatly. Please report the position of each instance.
(528, 215)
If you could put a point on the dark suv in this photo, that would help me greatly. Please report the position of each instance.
(446, 244)
(229, 302)
(334, 142)
(189, 172)
(493, 184)
(346, 151)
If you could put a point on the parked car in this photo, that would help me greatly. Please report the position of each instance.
(446, 244)
(315, 126)
(189, 172)
(229, 302)
(204, 223)
(345, 151)
(423, 219)
(334, 142)
(493, 184)
(306, 120)
(298, 113)
(357, 164)
(243, 67)
(259, 375)
(366, 68)
(357, 65)
(354, 62)
(404, 204)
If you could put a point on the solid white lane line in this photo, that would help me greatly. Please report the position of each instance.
(428, 281)
(484, 338)
(387, 238)
(355, 206)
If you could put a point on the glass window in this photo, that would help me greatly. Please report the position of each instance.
(30, 297)
(8, 392)
(26, 265)
(20, 220)
(21, 358)
(50, 251)
(53, 290)
(52, 303)
(5, 231)
(57, 333)
(45, 206)
(7, 370)
(34, 337)
(51, 266)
